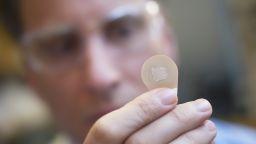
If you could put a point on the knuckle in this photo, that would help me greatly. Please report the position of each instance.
(190, 139)
(135, 139)
(180, 117)
(184, 114)
(106, 130)
(147, 108)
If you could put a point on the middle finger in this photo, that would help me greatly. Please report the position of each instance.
(178, 121)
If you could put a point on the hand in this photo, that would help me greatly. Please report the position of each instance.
(155, 118)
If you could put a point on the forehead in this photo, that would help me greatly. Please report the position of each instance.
(38, 13)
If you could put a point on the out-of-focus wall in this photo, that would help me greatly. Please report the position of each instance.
(212, 57)
(217, 40)
(245, 15)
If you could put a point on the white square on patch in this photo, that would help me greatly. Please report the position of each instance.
(159, 73)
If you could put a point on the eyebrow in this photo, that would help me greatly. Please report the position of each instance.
(49, 30)
(123, 12)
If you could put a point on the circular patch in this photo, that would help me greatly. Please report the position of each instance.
(159, 71)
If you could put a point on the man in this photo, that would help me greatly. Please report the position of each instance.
(83, 58)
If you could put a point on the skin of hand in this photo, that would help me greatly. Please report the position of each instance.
(156, 118)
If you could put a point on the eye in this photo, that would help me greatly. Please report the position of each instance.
(57, 47)
(124, 30)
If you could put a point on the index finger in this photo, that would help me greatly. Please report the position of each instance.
(116, 126)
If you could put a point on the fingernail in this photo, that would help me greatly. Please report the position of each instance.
(203, 105)
(168, 96)
(210, 125)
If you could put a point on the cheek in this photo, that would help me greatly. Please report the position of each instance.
(58, 89)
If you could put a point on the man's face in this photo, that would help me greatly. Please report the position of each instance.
(84, 56)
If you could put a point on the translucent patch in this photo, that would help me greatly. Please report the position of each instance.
(159, 71)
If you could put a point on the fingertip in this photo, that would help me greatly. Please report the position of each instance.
(167, 96)
(210, 125)
(203, 105)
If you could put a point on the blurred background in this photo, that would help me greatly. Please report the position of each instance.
(217, 46)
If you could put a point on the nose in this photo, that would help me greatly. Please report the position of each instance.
(101, 73)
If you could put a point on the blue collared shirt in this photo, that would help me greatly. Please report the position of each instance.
(230, 133)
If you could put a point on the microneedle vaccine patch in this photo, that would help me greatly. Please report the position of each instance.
(159, 71)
